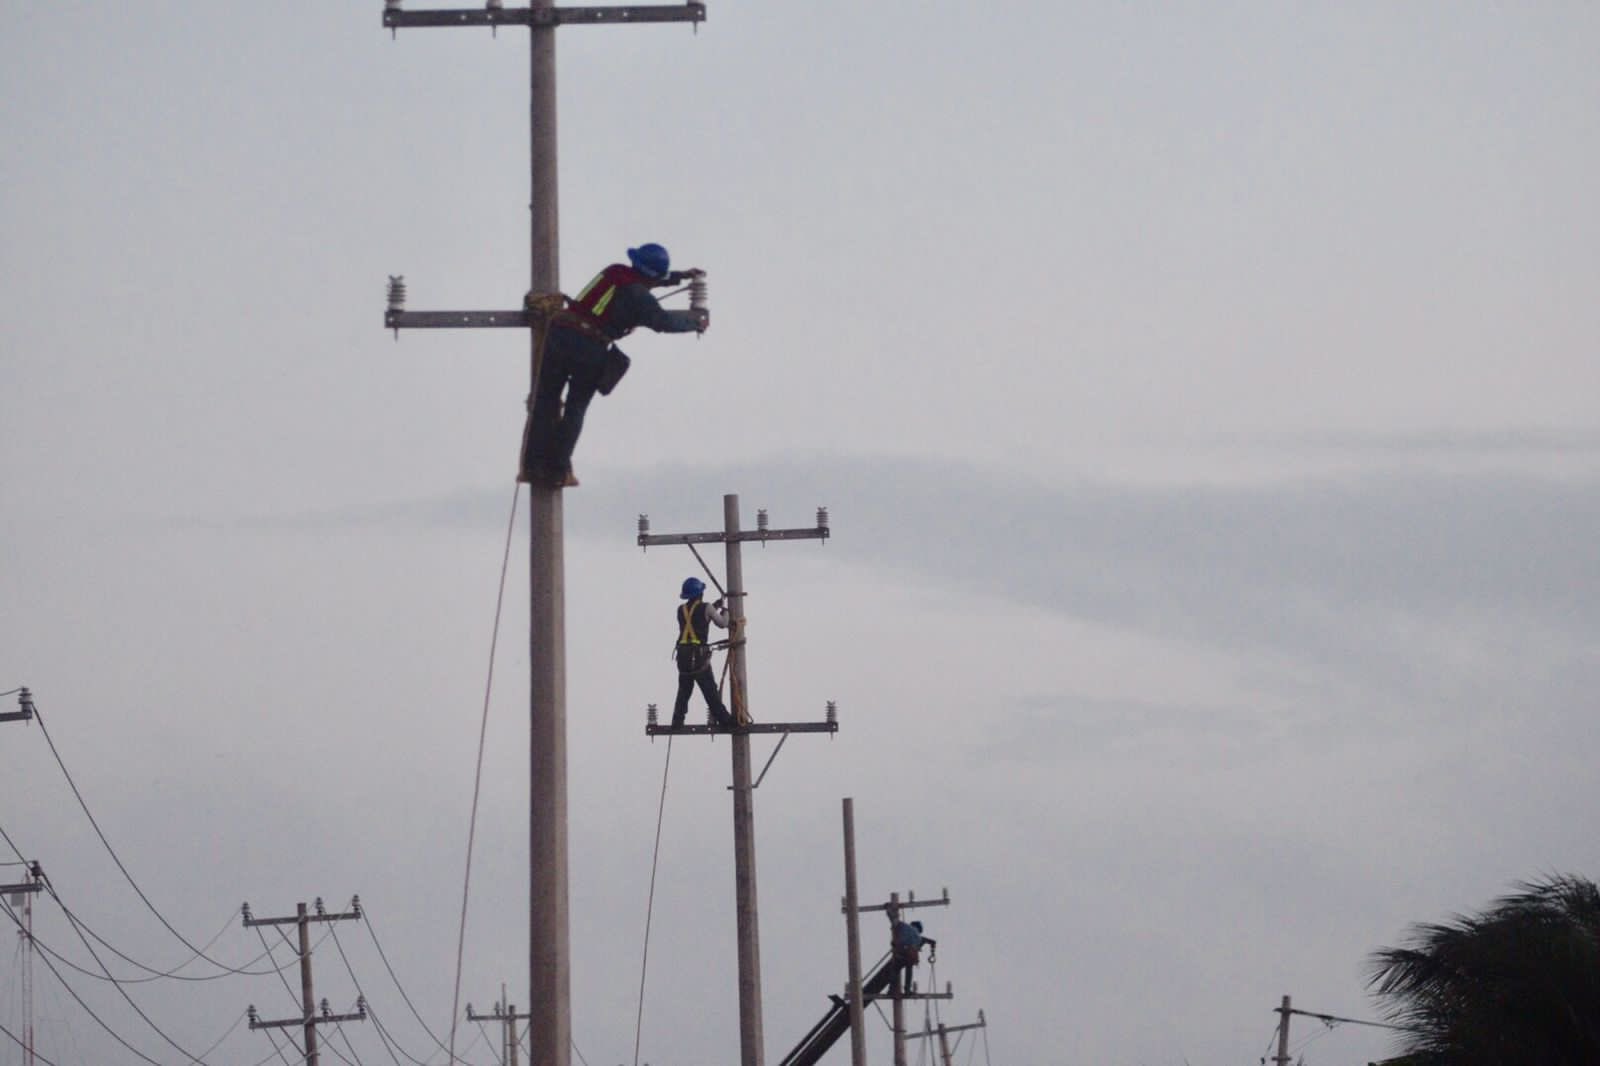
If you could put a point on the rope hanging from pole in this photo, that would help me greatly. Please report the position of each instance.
(477, 774)
(650, 905)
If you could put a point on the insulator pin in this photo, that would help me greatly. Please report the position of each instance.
(651, 718)
(761, 520)
(822, 518)
(699, 293)
(833, 713)
(397, 292)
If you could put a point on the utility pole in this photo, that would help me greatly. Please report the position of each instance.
(852, 927)
(744, 841)
(942, 1031)
(507, 1016)
(549, 947)
(310, 1019)
(22, 896)
(1282, 1057)
(893, 909)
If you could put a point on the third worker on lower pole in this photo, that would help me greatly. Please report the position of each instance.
(693, 653)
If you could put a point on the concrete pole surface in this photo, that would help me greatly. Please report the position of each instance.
(852, 926)
(744, 836)
(549, 946)
(307, 1001)
(899, 985)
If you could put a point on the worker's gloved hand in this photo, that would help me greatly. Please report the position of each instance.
(718, 603)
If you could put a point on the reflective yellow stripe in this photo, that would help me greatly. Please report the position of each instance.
(688, 636)
(604, 301)
(587, 288)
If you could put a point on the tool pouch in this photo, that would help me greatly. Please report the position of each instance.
(613, 365)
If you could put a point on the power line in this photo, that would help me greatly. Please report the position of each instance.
(38, 717)
(382, 1037)
(114, 984)
(366, 917)
(19, 1043)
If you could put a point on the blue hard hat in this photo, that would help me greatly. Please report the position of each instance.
(692, 588)
(917, 926)
(650, 260)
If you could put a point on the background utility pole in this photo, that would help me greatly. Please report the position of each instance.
(892, 909)
(507, 1015)
(22, 896)
(1282, 1057)
(942, 1031)
(852, 926)
(310, 1020)
(549, 949)
(744, 833)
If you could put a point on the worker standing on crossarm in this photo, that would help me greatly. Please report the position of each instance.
(905, 941)
(693, 652)
(581, 356)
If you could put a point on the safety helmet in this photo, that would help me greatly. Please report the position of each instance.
(692, 588)
(651, 260)
(917, 926)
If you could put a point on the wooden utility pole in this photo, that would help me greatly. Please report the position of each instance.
(733, 537)
(310, 1019)
(549, 948)
(506, 1014)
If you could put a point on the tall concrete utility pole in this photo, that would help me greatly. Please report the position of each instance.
(310, 1019)
(744, 834)
(549, 948)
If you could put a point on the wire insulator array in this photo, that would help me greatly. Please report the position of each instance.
(397, 292)
(699, 294)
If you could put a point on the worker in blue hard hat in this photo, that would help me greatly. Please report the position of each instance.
(693, 652)
(580, 355)
(905, 941)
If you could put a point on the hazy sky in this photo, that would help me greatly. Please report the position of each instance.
(1204, 398)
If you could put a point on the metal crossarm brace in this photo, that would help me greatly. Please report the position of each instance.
(324, 1018)
(906, 904)
(753, 727)
(456, 320)
(394, 18)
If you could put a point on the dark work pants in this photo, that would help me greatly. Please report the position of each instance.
(572, 364)
(708, 688)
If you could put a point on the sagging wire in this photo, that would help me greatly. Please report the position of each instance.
(38, 717)
(382, 1037)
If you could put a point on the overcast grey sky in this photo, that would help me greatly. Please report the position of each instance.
(1203, 396)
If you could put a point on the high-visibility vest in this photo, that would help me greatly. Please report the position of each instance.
(594, 303)
(693, 625)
